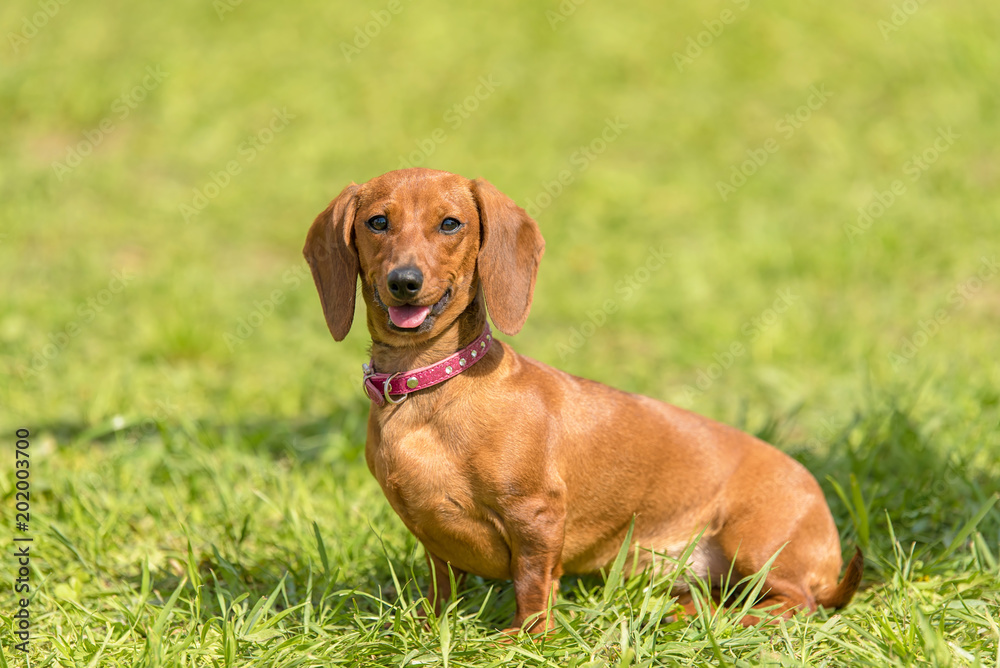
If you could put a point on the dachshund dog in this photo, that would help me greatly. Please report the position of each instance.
(507, 468)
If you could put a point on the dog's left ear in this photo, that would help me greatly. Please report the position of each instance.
(333, 259)
(511, 247)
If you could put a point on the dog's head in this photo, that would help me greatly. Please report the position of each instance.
(423, 242)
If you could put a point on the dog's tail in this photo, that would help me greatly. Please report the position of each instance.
(844, 592)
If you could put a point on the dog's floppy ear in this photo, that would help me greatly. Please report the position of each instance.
(511, 247)
(333, 259)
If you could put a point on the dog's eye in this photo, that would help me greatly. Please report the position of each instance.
(450, 225)
(377, 223)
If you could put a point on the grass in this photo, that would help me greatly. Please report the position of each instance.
(199, 493)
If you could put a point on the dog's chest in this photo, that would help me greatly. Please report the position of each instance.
(418, 475)
(430, 487)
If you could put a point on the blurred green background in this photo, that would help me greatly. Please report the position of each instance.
(558, 77)
(121, 306)
(226, 68)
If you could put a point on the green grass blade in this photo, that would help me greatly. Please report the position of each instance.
(161, 620)
(444, 634)
(322, 550)
(968, 527)
(614, 579)
(860, 513)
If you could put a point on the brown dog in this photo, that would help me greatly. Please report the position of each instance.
(514, 470)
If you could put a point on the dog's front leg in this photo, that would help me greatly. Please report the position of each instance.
(536, 564)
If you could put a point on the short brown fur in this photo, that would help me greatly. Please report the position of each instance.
(515, 470)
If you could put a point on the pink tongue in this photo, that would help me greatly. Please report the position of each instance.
(408, 317)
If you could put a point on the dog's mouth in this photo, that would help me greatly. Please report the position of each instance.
(413, 317)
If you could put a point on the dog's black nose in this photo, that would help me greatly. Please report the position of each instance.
(405, 283)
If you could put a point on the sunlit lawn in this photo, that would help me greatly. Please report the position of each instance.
(790, 226)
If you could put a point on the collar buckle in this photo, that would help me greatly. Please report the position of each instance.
(385, 390)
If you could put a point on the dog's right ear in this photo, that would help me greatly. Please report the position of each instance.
(333, 258)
